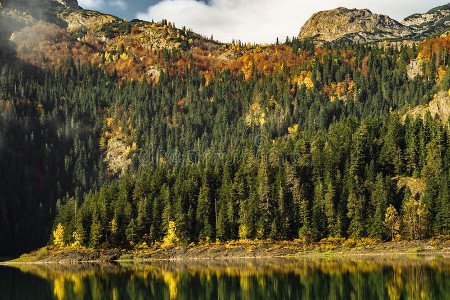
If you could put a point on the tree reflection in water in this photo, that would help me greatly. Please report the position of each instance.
(399, 278)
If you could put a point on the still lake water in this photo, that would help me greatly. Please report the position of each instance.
(374, 278)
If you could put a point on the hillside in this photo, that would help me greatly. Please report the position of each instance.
(140, 50)
(133, 134)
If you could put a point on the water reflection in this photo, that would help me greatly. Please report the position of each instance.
(412, 278)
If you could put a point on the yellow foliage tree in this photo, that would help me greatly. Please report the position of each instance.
(305, 79)
(58, 236)
(77, 240)
(124, 56)
(171, 237)
(392, 223)
(293, 129)
(58, 288)
(244, 232)
(440, 74)
(172, 279)
(113, 226)
(102, 143)
(415, 219)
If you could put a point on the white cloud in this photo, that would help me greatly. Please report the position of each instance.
(265, 20)
(120, 4)
(91, 4)
(103, 4)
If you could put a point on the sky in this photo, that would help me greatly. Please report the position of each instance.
(255, 21)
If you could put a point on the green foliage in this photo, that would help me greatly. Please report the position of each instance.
(79, 33)
(96, 235)
(116, 28)
(199, 164)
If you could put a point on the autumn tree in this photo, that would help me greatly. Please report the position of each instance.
(415, 219)
(392, 223)
(171, 237)
(58, 236)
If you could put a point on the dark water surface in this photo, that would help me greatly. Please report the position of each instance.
(374, 278)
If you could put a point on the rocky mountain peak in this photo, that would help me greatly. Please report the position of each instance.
(31, 4)
(331, 25)
(436, 20)
(361, 25)
(72, 4)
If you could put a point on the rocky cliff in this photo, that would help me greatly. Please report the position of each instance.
(436, 20)
(40, 4)
(361, 25)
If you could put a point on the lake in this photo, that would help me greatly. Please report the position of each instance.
(318, 278)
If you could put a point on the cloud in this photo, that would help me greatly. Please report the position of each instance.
(103, 4)
(91, 4)
(120, 4)
(265, 20)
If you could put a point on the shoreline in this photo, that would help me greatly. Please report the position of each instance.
(242, 250)
(333, 256)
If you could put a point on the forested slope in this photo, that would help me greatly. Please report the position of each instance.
(283, 141)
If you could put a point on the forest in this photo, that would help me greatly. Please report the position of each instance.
(323, 148)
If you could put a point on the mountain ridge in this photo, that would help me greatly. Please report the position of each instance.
(362, 26)
(70, 4)
(335, 25)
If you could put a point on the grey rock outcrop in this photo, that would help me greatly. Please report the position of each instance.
(360, 25)
(363, 26)
(71, 4)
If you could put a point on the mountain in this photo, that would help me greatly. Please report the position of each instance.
(36, 4)
(16, 14)
(434, 21)
(119, 130)
(355, 24)
(363, 26)
(51, 31)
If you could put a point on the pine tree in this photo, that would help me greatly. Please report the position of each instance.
(303, 207)
(96, 236)
(222, 206)
(131, 232)
(205, 212)
(264, 201)
(391, 153)
(330, 211)
(441, 224)
(359, 152)
(355, 207)
(319, 219)
(379, 201)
